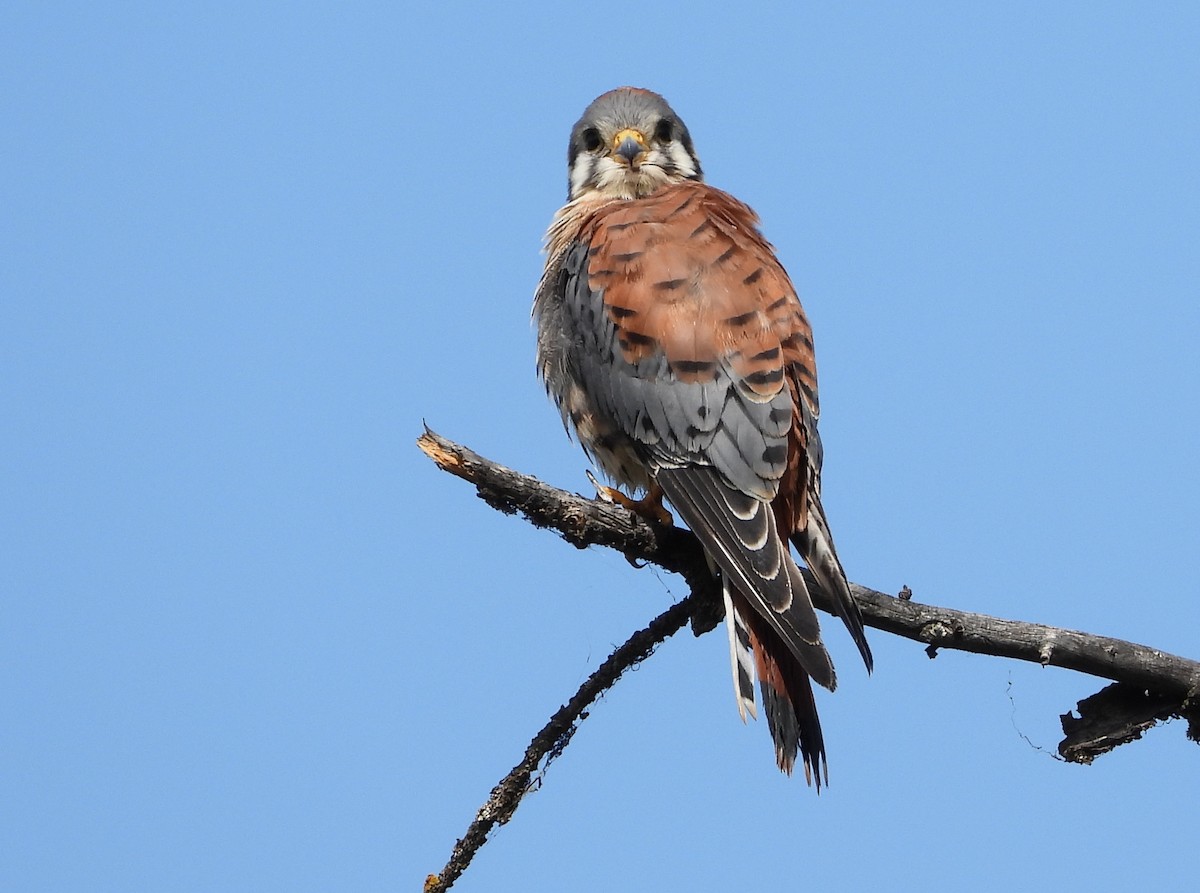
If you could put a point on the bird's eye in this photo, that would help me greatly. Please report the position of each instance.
(665, 131)
(591, 139)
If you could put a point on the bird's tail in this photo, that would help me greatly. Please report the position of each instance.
(757, 650)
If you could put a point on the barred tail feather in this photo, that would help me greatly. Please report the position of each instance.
(741, 656)
(815, 545)
(788, 703)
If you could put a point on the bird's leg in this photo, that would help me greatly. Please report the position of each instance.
(649, 507)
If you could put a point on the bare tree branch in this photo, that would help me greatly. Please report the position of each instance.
(584, 522)
(552, 739)
(1152, 685)
(1116, 715)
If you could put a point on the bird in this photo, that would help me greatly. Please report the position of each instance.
(676, 349)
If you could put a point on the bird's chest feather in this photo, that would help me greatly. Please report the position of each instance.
(660, 327)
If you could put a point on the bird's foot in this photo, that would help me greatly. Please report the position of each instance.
(649, 507)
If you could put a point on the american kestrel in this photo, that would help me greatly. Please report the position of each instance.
(674, 344)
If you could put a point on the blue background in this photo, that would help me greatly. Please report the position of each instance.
(250, 638)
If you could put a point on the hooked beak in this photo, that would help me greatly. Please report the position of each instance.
(630, 145)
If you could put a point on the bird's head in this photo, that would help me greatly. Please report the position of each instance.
(628, 144)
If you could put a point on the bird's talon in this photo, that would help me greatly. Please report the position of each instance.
(603, 493)
(648, 508)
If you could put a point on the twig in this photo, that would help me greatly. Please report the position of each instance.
(554, 736)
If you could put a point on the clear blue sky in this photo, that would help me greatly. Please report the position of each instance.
(250, 639)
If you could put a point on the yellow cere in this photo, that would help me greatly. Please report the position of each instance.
(637, 136)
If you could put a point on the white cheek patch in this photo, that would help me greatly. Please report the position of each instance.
(682, 162)
(582, 172)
